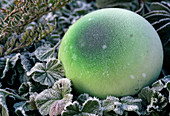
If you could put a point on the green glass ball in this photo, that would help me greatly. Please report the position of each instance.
(111, 51)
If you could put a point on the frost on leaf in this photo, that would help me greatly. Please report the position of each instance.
(19, 108)
(25, 62)
(14, 59)
(6, 63)
(45, 52)
(153, 99)
(158, 102)
(47, 73)
(72, 109)
(22, 107)
(82, 98)
(167, 85)
(3, 106)
(52, 101)
(4, 66)
(119, 106)
(158, 85)
(25, 89)
(91, 107)
(28, 88)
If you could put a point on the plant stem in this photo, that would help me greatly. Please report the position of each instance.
(17, 96)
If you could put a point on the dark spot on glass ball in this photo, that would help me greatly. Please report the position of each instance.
(131, 35)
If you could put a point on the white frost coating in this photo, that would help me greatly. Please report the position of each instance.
(89, 19)
(132, 76)
(71, 47)
(82, 44)
(74, 56)
(106, 74)
(104, 47)
(143, 75)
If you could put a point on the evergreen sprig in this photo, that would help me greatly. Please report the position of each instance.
(18, 16)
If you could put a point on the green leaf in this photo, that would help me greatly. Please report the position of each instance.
(3, 107)
(53, 100)
(47, 73)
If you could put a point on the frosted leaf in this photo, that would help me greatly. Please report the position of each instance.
(158, 6)
(158, 85)
(153, 99)
(53, 100)
(3, 106)
(82, 98)
(23, 106)
(45, 52)
(4, 66)
(166, 80)
(119, 106)
(72, 109)
(131, 104)
(14, 59)
(146, 94)
(25, 63)
(47, 73)
(58, 106)
(108, 103)
(19, 108)
(91, 107)
(25, 89)
(158, 102)
(8, 62)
